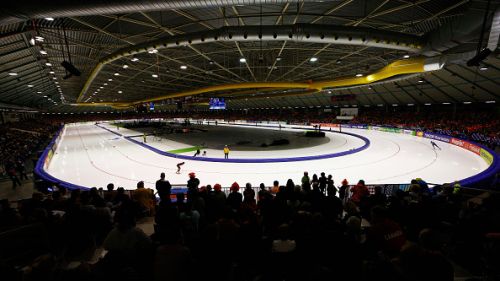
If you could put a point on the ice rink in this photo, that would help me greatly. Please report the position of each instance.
(89, 156)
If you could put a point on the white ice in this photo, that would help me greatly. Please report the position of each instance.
(91, 156)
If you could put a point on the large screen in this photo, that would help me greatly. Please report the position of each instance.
(217, 103)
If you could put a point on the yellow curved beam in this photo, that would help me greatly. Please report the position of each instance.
(251, 85)
(399, 67)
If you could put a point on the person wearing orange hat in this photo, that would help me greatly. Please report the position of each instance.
(218, 202)
(193, 182)
(234, 199)
(343, 190)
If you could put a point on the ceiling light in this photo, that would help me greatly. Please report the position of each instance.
(211, 62)
(369, 88)
(155, 75)
(43, 52)
(48, 64)
(38, 92)
(278, 59)
(490, 101)
(420, 81)
(183, 67)
(467, 102)
(105, 84)
(427, 104)
(56, 82)
(406, 56)
(483, 68)
(30, 86)
(117, 74)
(51, 72)
(359, 75)
(134, 59)
(39, 38)
(44, 96)
(54, 78)
(243, 60)
(32, 41)
(153, 51)
(49, 19)
(410, 104)
(12, 73)
(120, 92)
(101, 87)
(125, 66)
(313, 59)
(338, 61)
(446, 103)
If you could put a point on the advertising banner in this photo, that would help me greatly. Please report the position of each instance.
(420, 134)
(326, 125)
(437, 137)
(467, 145)
(486, 156)
(409, 132)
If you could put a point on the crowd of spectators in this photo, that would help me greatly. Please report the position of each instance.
(19, 141)
(478, 126)
(300, 230)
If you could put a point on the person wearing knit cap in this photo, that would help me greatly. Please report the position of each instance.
(234, 198)
(343, 190)
(193, 182)
(218, 201)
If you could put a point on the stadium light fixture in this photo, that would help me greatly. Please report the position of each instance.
(490, 101)
(30, 86)
(49, 19)
(427, 104)
(183, 67)
(134, 59)
(13, 73)
(313, 59)
(483, 68)
(117, 74)
(446, 103)
(406, 56)
(120, 92)
(359, 75)
(52, 72)
(43, 52)
(243, 60)
(110, 79)
(48, 64)
(467, 102)
(154, 75)
(125, 66)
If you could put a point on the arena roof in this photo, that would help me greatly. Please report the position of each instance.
(257, 53)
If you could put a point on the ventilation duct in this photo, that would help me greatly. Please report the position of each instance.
(16, 11)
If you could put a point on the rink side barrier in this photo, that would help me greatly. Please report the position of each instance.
(44, 161)
(249, 160)
(482, 179)
(485, 178)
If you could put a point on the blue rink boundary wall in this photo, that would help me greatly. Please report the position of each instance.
(484, 179)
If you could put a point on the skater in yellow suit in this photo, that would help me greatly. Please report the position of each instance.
(226, 152)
